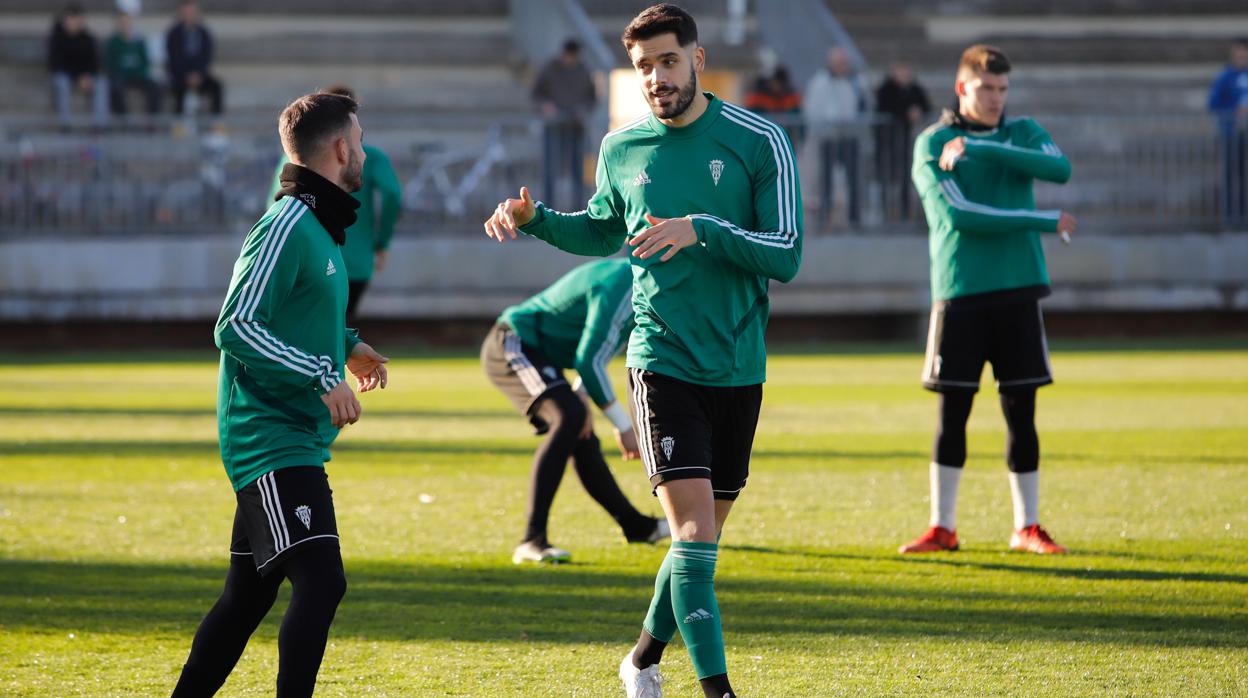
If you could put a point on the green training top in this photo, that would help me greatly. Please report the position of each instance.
(126, 59)
(372, 231)
(580, 321)
(984, 226)
(283, 342)
(700, 316)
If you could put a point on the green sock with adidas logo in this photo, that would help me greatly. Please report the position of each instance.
(693, 601)
(661, 619)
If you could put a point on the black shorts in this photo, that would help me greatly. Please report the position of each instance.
(695, 431)
(1010, 336)
(520, 370)
(283, 512)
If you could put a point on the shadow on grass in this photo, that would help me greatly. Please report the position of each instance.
(108, 410)
(388, 601)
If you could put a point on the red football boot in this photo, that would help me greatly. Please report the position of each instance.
(1034, 539)
(936, 539)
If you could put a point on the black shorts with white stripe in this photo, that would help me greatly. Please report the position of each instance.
(283, 512)
(521, 371)
(686, 430)
(1009, 335)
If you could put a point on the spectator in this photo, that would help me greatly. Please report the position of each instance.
(188, 46)
(773, 96)
(565, 96)
(833, 107)
(1228, 100)
(902, 104)
(73, 59)
(127, 62)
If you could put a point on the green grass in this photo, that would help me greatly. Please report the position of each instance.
(115, 514)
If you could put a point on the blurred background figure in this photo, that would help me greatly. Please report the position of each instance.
(833, 108)
(1228, 100)
(902, 105)
(129, 67)
(73, 59)
(565, 97)
(189, 51)
(774, 97)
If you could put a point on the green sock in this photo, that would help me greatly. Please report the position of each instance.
(693, 601)
(661, 619)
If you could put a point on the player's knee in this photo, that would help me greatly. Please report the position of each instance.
(564, 412)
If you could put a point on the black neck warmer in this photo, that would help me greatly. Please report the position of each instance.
(333, 207)
(953, 117)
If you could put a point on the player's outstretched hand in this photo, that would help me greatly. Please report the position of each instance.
(343, 408)
(368, 367)
(1066, 225)
(953, 152)
(510, 215)
(673, 233)
(627, 441)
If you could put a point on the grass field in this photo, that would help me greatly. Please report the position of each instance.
(115, 516)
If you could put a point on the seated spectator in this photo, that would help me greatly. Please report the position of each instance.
(773, 96)
(833, 107)
(74, 62)
(188, 48)
(127, 62)
(902, 104)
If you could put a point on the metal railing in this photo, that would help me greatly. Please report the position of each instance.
(1131, 174)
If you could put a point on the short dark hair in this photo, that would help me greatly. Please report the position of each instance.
(571, 46)
(982, 58)
(307, 122)
(73, 9)
(1241, 42)
(661, 19)
(341, 88)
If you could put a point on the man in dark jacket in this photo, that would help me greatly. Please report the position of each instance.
(902, 105)
(188, 46)
(565, 96)
(74, 62)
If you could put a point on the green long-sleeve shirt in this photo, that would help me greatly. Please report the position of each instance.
(580, 322)
(984, 229)
(701, 315)
(381, 198)
(283, 343)
(126, 58)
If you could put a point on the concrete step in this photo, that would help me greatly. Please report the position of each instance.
(287, 8)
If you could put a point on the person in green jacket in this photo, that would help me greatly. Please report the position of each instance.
(281, 401)
(706, 193)
(974, 171)
(579, 322)
(368, 241)
(125, 59)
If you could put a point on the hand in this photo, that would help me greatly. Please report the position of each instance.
(193, 79)
(368, 367)
(510, 215)
(343, 408)
(1067, 224)
(914, 114)
(954, 150)
(85, 83)
(549, 110)
(627, 441)
(676, 233)
(380, 257)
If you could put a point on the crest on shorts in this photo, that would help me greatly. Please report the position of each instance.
(305, 516)
(717, 169)
(667, 443)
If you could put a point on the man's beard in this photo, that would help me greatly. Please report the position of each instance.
(352, 175)
(684, 97)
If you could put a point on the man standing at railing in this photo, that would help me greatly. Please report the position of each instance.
(974, 171)
(565, 96)
(1228, 100)
(833, 107)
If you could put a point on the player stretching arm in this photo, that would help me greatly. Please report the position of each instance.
(707, 195)
(974, 172)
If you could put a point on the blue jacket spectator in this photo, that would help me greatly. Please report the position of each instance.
(1229, 94)
(1228, 100)
(189, 52)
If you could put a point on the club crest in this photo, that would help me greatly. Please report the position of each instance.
(717, 169)
(667, 443)
(305, 516)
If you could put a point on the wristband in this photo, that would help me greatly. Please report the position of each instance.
(618, 416)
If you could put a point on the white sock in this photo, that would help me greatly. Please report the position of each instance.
(945, 481)
(1025, 487)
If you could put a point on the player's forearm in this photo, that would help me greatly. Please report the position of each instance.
(983, 223)
(774, 254)
(577, 233)
(269, 358)
(1048, 164)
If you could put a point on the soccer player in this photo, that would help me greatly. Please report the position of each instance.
(706, 193)
(281, 401)
(368, 241)
(974, 171)
(580, 322)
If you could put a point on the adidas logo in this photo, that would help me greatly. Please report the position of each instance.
(329, 269)
(700, 614)
(641, 178)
